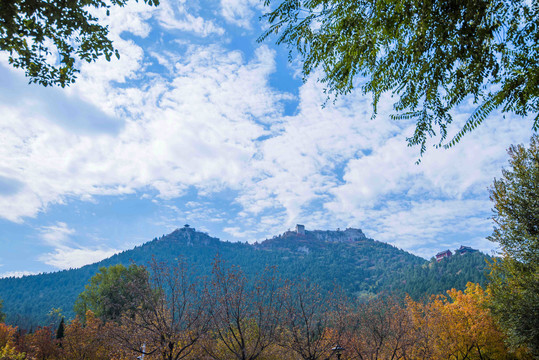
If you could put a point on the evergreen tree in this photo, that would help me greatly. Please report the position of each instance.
(61, 329)
(515, 279)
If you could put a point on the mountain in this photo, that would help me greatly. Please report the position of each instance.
(361, 266)
(435, 277)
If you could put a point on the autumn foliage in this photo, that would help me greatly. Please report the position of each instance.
(457, 326)
(227, 317)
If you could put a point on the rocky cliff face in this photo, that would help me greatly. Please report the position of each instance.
(302, 242)
(348, 235)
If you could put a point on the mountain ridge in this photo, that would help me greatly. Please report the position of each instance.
(362, 266)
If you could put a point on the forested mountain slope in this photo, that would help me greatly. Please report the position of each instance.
(361, 266)
(436, 277)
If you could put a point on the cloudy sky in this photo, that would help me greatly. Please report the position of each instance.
(198, 123)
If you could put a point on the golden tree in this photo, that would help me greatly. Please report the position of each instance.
(457, 326)
(7, 343)
(89, 341)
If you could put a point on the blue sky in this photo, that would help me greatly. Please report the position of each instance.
(198, 123)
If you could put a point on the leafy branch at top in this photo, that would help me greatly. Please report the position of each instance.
(433, 55)
(35, 32)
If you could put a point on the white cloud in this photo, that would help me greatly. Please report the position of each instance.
(240, 12)
(16, 274)
(67, 253)
(131, 18)
(443, 201)
(176, 16)
(299, 165)
(427, 223)
(197, 129)
(68, 258)
(56, 235)
(240, 233)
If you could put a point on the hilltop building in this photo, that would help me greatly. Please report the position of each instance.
(465, 250)
(300, 229)
(443, 254)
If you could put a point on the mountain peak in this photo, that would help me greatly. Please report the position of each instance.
(189, 236)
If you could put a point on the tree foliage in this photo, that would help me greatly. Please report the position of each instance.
(10, 353)
(7, 344)
(42, 344)
(431, 54)
(2, 315)
(263, 320)
(112, 291)
(516, 204)
(90, 341)
(515, 278)
(46, 38)
(172, 317)
(61, 330)
(458, 326)
(309, 313)
(380, 329)
(7, 335)
(245, 316)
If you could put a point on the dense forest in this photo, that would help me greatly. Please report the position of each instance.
(361, 266)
